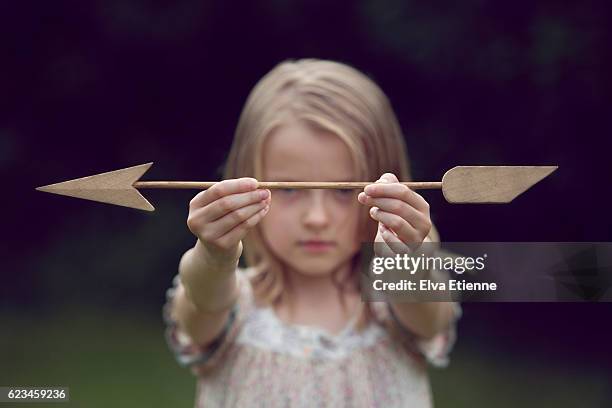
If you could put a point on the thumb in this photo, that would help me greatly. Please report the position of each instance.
(388, 178)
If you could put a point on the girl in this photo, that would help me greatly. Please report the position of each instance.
(291, 328)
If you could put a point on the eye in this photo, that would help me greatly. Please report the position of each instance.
(343, 193)
(287, 193)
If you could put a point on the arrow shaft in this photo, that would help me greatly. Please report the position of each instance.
(202, 185)
(461, 184)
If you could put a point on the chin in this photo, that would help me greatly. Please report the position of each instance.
(313, 267)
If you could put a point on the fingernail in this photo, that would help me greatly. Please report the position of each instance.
(373, 211)
(263, 194)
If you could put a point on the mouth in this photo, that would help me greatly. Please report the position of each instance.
(316, 245)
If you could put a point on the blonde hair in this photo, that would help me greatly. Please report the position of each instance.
(330, 96)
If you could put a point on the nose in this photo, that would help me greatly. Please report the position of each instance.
(315, 214)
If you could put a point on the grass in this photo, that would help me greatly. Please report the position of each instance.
(111, 360)
(106, 360)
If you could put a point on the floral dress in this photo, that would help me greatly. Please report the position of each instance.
(260, 361)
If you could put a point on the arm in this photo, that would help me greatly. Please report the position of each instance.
(404, 223)
(219, 217)
(206, 294)
(424, 319)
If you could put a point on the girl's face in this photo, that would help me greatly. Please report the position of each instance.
(313, 231)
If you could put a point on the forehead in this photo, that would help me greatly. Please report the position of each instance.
(297, 152)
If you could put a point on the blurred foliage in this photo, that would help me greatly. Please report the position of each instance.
(120, 83)
(95, 261)
(91, 87)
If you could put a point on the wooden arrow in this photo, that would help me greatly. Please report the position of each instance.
(461, 184)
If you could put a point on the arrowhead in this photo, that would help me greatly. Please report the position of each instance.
(113, 187)
(490, 184)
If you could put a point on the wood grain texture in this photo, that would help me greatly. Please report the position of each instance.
(113, 187)
(490, 184)
(202, 185)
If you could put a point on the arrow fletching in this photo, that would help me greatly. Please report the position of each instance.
(113, 187)
(490, 184)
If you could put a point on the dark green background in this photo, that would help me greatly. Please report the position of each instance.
(88, 87)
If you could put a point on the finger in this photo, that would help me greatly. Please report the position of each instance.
(414, 217)
(389, 178)
(401, 227)
(216, 229)
(233, 202)
(223, 188)
(239, 231)
(393, 242)
(361, 196)
(399, 191)
(381, 248)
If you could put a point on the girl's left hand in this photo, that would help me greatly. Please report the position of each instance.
(402, 214)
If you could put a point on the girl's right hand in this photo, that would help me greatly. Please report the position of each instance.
(223, 214)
